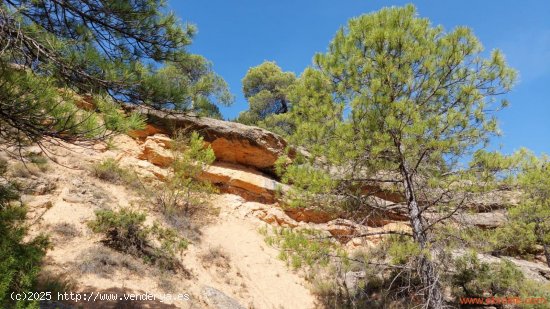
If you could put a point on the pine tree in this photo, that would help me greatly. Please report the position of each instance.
(396, 101)
(117, 51)
(265, 87)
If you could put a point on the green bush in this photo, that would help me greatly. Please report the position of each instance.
(109, 170)
(19, 259)
(125, 231)
(305, 247)
(473, 277)
(182, 188)
(39, 161)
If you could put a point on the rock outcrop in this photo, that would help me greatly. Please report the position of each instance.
(486, 220)
(246, 182)
(232, 142)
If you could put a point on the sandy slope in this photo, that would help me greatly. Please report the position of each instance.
(269, 283)
(251, 273)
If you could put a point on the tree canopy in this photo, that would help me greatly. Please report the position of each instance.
(116, 51)
(265, 88)
(398, 101)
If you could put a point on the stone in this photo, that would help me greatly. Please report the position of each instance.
(250, 184)
(380, 233)
(34, 150)
(530, 270)
(161, 139)
(155, 151)
(146, 169)
(101, 147)
(73, 198)
(495, 200)
(219, 300)
(39, 186)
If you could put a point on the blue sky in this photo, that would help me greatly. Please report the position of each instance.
(236, 35)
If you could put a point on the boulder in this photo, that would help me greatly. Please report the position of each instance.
(232, 142)
(162, 140)
(156, 150)
(246, 182)
(219, 300)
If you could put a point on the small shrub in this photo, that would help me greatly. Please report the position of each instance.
(20, 258)
(215, 256)
(168, 285)
(109, 170)
(8, 193)
(473, 277)
(534, 289)
(170, 245)
(66, 230)
(24, 170)
(182, 189)
(39, 161)
(328, 268)
(402, 250)
(183, 198)
(305, 247)
(110, 144)
(125, 231)
(104, 262)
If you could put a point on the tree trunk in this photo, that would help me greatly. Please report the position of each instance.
(284, 107)
(433, 296)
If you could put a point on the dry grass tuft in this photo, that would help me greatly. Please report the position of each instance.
(215, 256)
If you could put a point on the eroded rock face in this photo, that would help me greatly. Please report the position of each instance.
(246, 182)
(309, 215)
(486, 220)
(232, 142)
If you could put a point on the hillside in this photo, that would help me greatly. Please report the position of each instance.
(227, 264)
